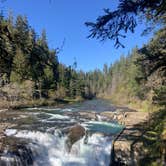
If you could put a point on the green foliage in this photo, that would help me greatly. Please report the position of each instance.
(7, 48)
(160, 95)
(153, 139)
(19, 68)
(154, 54)
(122, 78)
(26, 56)
(141, 75)
(153, 62)
(115, 24)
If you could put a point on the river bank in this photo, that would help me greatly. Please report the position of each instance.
(127, 148)
(4, 104)
(143, 140)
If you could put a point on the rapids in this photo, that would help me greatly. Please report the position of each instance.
(37, 137)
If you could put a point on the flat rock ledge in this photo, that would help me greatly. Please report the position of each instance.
(127, 147)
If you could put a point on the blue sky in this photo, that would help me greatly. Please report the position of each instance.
(64, 19)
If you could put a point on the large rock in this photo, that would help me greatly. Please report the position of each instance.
(128, 147)
(15, 151)
(75, 133)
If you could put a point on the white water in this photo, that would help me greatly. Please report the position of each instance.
(49, 109)
(50, 149)
(10, 132)
(44, 145)
(57, 116)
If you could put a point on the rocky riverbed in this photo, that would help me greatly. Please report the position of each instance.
(74, 134)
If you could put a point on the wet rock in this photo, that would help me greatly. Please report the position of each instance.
(76, 132)
(88, 115)
(3, 110)
(3, 127)
(109, 115)
(12, 150)
(22, 157)
(119, 117)
(15, 152)
(127, 153)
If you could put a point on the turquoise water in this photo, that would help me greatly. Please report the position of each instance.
(107, 128)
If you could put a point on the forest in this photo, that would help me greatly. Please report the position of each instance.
(29, 70)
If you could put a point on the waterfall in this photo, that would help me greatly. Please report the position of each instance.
(57, 137)
(50, 149)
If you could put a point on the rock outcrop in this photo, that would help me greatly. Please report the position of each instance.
(75, 133)
(128, 147)
(15, 152)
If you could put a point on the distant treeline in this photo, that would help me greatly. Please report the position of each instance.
(138, 78)
(30, 69)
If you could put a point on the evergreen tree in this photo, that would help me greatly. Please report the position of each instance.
(115, 24)
(7, 47)
(19, 67)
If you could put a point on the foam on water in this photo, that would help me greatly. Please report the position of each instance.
(42, 108)
(50, 149)
(51, 109)
(67, 110)
(10, 132)
(99, 118)
(31, 108)
(57, 116)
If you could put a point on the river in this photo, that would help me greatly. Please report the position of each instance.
(38, 135)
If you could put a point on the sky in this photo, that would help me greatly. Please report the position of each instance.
(64, 19)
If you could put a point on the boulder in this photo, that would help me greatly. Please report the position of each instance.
(75, 133)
